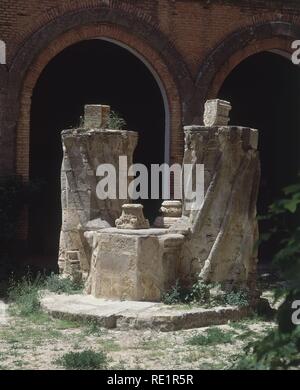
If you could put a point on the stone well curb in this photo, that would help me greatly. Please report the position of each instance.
(124, 315)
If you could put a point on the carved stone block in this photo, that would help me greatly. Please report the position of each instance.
(171, 211)
(216, 113)
(96, 116)
(132, 217)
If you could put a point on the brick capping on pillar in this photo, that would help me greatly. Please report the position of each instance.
(96, 116)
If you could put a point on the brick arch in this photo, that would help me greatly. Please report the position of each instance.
(144, 40)
(284, 45)
(72, 8)
(234, 49)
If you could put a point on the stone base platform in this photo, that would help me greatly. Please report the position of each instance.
(137, 315)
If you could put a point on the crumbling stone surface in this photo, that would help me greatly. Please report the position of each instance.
(84, 150)
(132, 217)
(96, 116)
(223, 234)
(171, 211)
(216, 113)
(134, 265)
(125, 315)
(215, 241)
(127, 267)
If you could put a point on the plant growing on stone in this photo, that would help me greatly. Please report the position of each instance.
(206, 295)
(199, 293)
(237, 298)
(174, 295)
(58, 285)
(115, 121)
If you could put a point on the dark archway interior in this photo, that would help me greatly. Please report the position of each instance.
(264, 92)
(95, 72)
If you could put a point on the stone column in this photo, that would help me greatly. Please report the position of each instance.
(84, 150)
(222, 239)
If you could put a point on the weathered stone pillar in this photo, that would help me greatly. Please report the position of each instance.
(84, 150)
(221, 237)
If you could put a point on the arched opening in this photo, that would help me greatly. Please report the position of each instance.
(264, 92)
(92, 71)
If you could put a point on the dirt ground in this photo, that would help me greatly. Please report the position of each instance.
(38, 341)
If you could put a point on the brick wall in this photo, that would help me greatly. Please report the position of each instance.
(184, 41)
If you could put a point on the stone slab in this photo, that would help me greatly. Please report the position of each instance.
(137, 315)
(136, 232)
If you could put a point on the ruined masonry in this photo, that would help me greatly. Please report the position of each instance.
(82, 212)
(110, 245)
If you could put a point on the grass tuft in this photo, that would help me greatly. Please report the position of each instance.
(213, 336)
(25, 294)
(84, 360)
(59, 285)
(206, 294)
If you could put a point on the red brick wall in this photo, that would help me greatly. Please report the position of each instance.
(195, 26)
(67, 39)
(192, 28)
